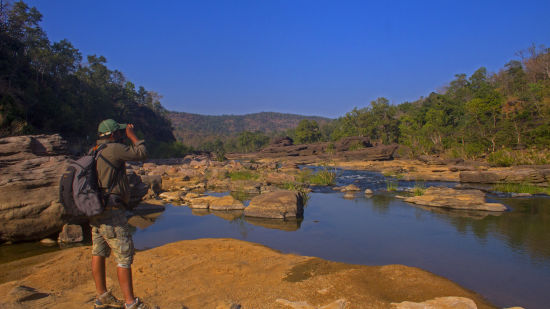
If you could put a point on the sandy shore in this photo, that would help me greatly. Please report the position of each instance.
(216, 273)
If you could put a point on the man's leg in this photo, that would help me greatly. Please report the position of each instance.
(126, 285)
(98, 272)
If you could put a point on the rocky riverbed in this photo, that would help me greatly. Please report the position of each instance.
(228, 273)
(32, 165)
(269, 189)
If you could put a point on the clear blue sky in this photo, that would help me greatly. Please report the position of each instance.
(306, 57)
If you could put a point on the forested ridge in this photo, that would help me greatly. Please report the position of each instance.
(195, 129)
(46, 87)
(502, 116)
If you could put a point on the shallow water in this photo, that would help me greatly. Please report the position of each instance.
(504, 257)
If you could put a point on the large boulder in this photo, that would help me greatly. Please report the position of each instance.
(279, 204)
(455, 199)
(32, 166)
(29, 186)
(138, 189)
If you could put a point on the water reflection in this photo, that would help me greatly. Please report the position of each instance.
(525, 228)
(288, 225)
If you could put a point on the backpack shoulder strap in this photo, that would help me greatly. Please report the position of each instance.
(118, 170)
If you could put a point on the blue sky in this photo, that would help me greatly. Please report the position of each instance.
(306, 57)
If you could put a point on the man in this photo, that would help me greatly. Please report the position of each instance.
(110, 228)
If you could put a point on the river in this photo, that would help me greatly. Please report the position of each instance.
(505, 257)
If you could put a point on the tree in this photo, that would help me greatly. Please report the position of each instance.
(307, 131)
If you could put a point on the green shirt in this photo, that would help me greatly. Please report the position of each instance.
(117, 154)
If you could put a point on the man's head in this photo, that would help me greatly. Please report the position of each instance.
(109, 128)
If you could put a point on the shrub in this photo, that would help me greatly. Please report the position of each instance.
(323, 178)
(501, 158)
(507, 157)
(356, 146)
(300, 189)
(331, 149)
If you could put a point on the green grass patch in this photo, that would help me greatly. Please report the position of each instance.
(391, 185)
(243, 175)
(521, 188)
(323, 178)
(419, 188)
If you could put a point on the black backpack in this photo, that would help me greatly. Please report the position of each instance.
(79, 190)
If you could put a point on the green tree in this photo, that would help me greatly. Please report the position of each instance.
(307, 131)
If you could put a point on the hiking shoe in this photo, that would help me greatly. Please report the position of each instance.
(138, 304)
(107, 300)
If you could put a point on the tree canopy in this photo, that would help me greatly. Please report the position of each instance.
(46, 87)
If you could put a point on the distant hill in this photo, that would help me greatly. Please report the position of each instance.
(195, 129)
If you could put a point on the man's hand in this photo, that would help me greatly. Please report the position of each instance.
(130, 133)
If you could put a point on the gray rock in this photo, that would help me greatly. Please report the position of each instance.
(29, 186)
(153, 181)
(71, 233)
(350, 188)
(280, 205)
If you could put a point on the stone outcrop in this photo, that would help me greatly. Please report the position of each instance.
(508, 175)
(455, 199)
(29, 186)
(279, 205)
(283, 141)
(348, 148)
(348, 143)
(377, 153)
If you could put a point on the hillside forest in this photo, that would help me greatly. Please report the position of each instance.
(502, 116)
(47, 87)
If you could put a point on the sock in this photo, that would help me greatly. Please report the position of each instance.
(128, 305)
(104, 294)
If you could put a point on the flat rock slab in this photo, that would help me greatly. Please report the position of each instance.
(455, 199)
(439, 303)
(507, 175)
(206, 272)
(216, 203)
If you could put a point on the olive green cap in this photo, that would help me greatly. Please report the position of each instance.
(107, 127)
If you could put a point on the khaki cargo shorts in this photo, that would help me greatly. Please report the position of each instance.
(110, 233)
